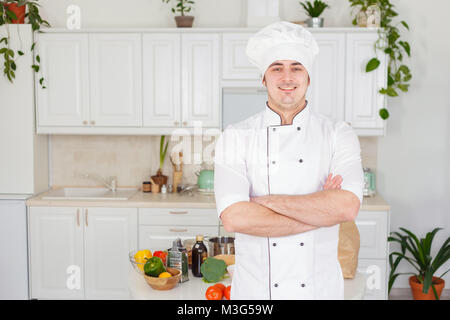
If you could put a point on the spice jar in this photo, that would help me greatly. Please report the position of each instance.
(146, 186)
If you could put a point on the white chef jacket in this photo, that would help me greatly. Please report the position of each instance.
(259, 156)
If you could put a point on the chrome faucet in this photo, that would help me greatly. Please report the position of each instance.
(111, 183)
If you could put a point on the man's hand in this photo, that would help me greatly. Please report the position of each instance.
(334, 183)
(330, 184)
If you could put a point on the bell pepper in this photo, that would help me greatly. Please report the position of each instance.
(162, 255)
(154, 267)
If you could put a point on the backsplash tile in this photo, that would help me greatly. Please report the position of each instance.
(132, 159)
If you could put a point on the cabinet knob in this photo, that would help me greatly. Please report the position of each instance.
(176, 123)
(85, 122)
(184, 123)
(92, 122)
(349, 123)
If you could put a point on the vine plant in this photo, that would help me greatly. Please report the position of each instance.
(390, 42)
(32, 17)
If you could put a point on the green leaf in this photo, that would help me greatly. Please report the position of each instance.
(41, 80)
(390, 80)
(405, 25)
(391, 92)
(372, 64)
(20, 53)
(384, 114)
(4, 39)
(35, 68)
(3, 50)
(403, 87)
(11, 14)
(406, 46)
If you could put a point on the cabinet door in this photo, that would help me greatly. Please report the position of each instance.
(235, 63)
(56, 253)
(373, 232)
(161, 237)
(200, 89)
(116, 84)
(326, 91)
(110, 234)
(362, 100)
(162, 79)
(64, 66)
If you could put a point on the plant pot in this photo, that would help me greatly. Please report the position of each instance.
(18, 11)
(417, 287)
(159, 178)
(184, 21)
(315, 22)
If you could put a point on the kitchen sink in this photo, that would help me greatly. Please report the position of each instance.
(89, 194)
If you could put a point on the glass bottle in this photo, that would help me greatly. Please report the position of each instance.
(199, 254)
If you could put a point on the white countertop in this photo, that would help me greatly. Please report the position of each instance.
(195, 288)
(171, 200)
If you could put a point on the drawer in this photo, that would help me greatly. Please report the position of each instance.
(377, 278)
(161, 237)
(178, 217)
(373, 231)
(235, 63)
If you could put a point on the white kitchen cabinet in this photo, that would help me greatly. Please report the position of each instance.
(158, 227)
(235, 63)
(85, 246)
(109, 235)
(200, 91)
(326, 91)
(362, 98)
(161, 80)
(64, 66)
(56, 253)
(115, 78)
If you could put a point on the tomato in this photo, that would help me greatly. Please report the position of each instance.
(213, 293)
(226, 292)
(162, 255)
(221, 286)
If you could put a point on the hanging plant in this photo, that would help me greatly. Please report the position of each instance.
(389, 41)
(8, 15)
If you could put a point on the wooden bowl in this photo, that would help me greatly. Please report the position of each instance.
(164, 283)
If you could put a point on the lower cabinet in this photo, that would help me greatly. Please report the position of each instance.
(159, 227)
(80, 253)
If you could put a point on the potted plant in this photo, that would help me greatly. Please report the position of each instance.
(159, 178)
(13, 12)
(314, 10)
(424, 285)
(389, 42)
(182, 6)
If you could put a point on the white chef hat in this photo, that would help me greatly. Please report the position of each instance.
(282, 41)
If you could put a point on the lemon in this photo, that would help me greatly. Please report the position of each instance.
(164, 275)
(141, 258)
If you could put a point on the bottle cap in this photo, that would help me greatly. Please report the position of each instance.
(199, 238)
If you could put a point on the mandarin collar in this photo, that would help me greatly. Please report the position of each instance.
(274, 119)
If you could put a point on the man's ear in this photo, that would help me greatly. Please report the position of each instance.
(309, 80)
(264, 81)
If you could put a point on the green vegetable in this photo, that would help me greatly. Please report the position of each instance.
(154, 267)
(213, 270)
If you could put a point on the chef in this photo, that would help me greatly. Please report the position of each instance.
(286, 178)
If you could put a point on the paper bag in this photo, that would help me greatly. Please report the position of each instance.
(348, 248)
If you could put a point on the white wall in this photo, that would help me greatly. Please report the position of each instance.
(413, 160)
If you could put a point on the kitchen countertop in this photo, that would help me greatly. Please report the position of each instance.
(195, 288)
(171, 200)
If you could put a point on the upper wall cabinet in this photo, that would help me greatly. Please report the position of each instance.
(152, 81)
(91, 79)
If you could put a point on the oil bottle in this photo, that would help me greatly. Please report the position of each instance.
(199, 254)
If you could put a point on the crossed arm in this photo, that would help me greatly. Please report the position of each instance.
(282, 215)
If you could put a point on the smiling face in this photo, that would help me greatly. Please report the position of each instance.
(287, 82)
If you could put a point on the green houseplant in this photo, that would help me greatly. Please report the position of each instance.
(159, 178)
(9, 10)
(182, 7)
(418, 254)
(389, 42)
(314, 10)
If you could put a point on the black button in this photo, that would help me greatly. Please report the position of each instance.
(303, 285)
(298, 128)
(273, 162)
(301, 244)
(274, 129)
(275, 285)
(300, 160)
(274, 244)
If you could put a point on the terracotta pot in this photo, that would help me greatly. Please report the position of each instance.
(160, 179)
(417, 287)
(18, 11)
(184, 21)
